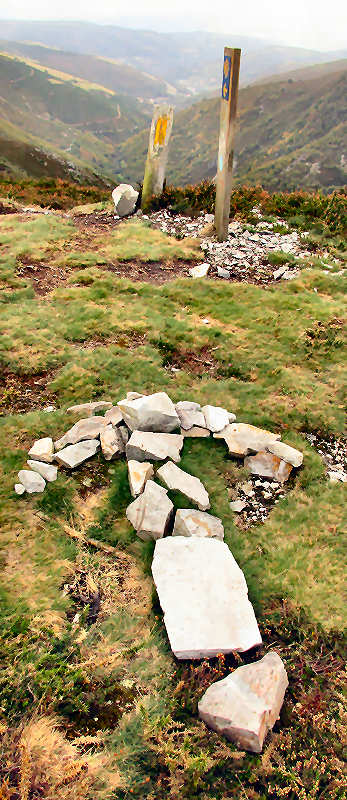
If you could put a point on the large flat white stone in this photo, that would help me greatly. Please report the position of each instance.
(203, 594)
(42, 450)
(176, 478)
(157, 446)
(154, 412)
(150, 512)
(246, 704)
(88, 428)
(75, 454)
(197, 523)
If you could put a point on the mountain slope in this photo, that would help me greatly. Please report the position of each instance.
(191, 62)
(288, 134)
(120, 78)
(64, 116)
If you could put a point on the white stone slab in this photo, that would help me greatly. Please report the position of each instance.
(19, 488)
(139, 473)
(48, 471)
(176, 478)
(84, 429)
(203, 594)
(268, 466)
(246, 704)
(157, 446)
(113, 416)
(251, 437)
(150, 512)
(154, 412)
(216, 418)
(190, 415)
(236, 449)
(200, 433)
(32, 481)
(197, 523)
(75, 454)
(42, 450)
(287, 453)
(88, 409)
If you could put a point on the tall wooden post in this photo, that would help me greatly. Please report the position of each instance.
(158, 149)
(230, 86)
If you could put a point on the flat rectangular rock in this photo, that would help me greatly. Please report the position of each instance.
(176, 478)
(203, 594)
(196, 432)
(287, 453)
(88, 428)
(251, 437)
(143, 445)
(88, 409)
(76, 454)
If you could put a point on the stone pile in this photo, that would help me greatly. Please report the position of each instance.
(244, 256)
(201, 588)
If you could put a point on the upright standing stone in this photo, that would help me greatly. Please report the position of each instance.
(230, 85)
(203, 594)
(246, 704)
(158, 149)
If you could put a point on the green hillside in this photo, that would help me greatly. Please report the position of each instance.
(64, 116)
(97, 69)
(290, 134)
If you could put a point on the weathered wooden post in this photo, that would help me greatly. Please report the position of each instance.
(157, 153)
(231, 70)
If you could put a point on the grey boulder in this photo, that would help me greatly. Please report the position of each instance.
(245, 705)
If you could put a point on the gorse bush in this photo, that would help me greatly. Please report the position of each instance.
(52, 192)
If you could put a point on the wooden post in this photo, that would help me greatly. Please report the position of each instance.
(158, 149)
(230, 87)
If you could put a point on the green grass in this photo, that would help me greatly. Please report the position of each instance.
(280, 363)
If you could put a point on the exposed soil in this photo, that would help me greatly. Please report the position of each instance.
(155, 272)
(197, 362)
(44, 278)
(22, 393)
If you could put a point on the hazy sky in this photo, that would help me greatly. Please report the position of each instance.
(314, 24)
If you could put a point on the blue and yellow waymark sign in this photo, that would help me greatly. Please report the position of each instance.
(226, 77)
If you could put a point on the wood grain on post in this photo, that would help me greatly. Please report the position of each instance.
(158, 149)
(230, 86)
